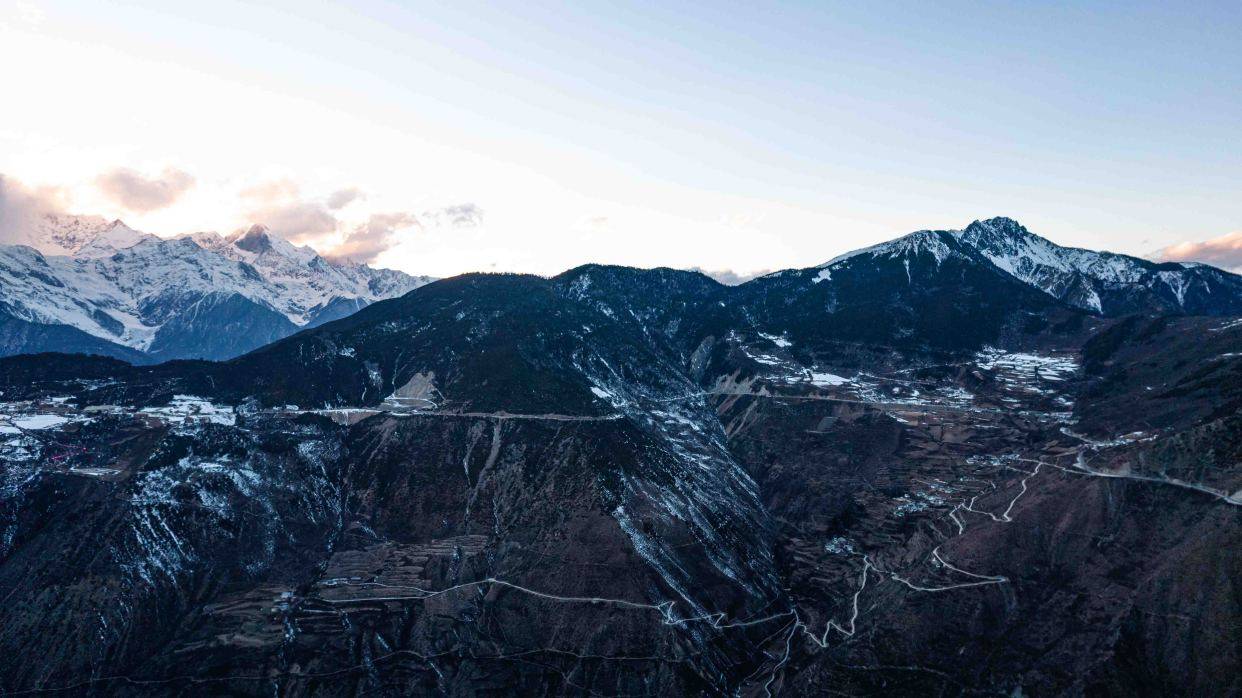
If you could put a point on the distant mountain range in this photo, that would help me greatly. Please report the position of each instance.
(82, 284)
(929, 293)
(85, 284)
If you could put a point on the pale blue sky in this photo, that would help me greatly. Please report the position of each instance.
(724, 135)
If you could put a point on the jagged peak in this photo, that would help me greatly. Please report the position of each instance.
(118, 228)
(997, 224)
(88, 236)
(260, 241)
(1001, 234)
(257, 239)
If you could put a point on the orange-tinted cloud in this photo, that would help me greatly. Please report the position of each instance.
(270, 191)
(299, 222)
(140, 193)
(367, 241)
(278, 205)
(21, 207)
(1224, 252)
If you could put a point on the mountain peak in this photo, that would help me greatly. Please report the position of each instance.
(1002, 236)
(1000, 227)
(998, 223)
(256, 239)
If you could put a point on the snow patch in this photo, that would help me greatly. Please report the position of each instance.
(778, 341)
(38, 421)
(193, 409)
(827, 379)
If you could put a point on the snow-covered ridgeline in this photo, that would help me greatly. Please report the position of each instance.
(1083, 278)
(121, 285)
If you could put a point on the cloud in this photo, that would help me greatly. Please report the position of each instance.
(299, 222)
(465, 215)
(140, 193)
(1224, 252)
(21, 207)
(270, 192)
(729, 277)
(367, 241)
(338, 200)
(280, 205)
(277, 204)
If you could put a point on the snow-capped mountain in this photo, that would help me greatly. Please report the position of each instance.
(78, 236)
(96, 286)
(926, 289)
(102, 287)
(311, 290)
(1104, 283)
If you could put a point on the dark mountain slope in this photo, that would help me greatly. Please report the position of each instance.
(901, 473)
(20, 336)
(335, 309)
(925, 292)
(218, 326)
(510, 339)
(489, 340)
(1182, 370)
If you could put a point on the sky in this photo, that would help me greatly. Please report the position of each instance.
(440, 138)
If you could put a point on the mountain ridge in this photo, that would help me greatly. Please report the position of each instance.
(124, 286)
(1104, 283)
(199, 295)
